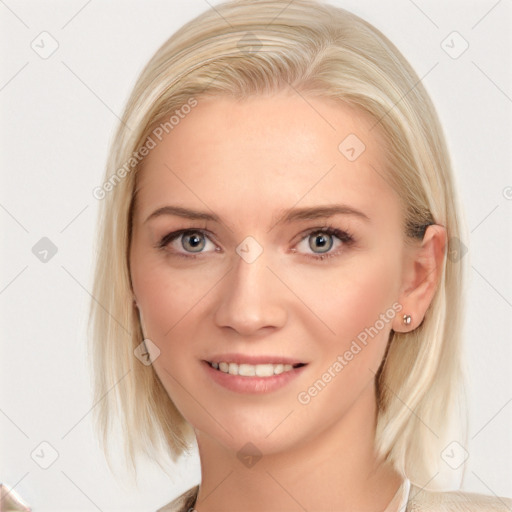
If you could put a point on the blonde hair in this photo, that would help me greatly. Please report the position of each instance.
(244, 48)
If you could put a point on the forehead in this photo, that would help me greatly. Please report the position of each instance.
(245, 157)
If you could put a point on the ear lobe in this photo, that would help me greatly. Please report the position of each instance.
(426, 264)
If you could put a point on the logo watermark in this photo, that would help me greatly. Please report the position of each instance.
(304, 397)
(152, 140)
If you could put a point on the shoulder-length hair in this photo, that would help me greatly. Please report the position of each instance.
(243, 48)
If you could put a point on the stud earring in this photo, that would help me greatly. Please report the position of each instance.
(407, 319)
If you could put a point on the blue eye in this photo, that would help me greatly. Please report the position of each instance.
(195, 240)
(323, 239)
(325, 242)
(192, 241)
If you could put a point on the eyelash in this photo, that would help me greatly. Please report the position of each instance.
(343, 235)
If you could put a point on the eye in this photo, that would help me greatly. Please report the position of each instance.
(186, 242)
(321, 240)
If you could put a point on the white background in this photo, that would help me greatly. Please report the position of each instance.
(57, 119)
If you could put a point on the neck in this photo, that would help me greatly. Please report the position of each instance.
(337, 469)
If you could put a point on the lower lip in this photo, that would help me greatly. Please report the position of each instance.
(242, 384)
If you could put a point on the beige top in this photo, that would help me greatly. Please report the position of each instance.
(408, 498)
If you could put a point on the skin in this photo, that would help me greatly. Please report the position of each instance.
(245, 161)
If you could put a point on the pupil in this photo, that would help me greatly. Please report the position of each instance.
(322, 243)
(194, 240)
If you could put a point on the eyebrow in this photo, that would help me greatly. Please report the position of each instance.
(285, 216)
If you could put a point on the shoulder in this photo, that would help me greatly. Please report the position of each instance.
(455, 501)
(183, 503)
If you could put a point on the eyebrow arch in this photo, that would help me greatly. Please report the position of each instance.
(318, 212)
(185, 213)
(287, 215)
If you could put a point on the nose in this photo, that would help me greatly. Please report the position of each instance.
(251, 299)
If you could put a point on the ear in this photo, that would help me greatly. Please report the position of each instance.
(423, 266)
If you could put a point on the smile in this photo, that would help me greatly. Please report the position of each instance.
(253, 370)
(253, 378)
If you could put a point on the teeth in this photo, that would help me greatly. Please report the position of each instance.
(279, 368)
(251, 370)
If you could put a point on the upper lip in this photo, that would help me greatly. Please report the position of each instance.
(247, 359)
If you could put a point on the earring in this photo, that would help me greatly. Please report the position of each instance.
(407, 319)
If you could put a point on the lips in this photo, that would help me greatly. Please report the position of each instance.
(253, 378)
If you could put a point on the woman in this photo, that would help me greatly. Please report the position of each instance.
(274, 282)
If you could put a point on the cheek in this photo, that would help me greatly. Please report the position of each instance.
(170, 302)
(356, 305)
(358, 308)
(167, 295)
(364, 298)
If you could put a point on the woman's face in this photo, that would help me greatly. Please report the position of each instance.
(256, 274)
